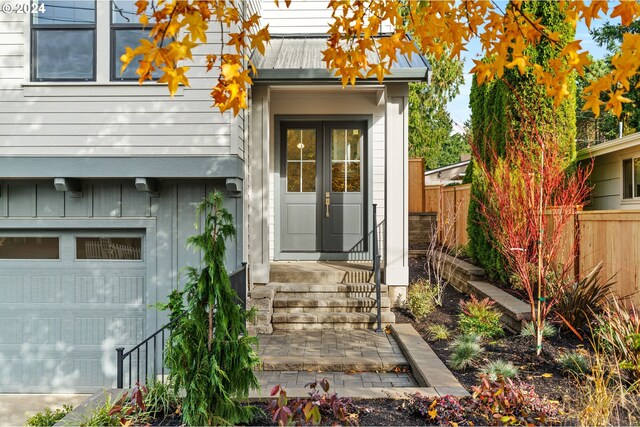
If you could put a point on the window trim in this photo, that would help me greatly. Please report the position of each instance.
(34, 28)
(633, 198)
(113, 56)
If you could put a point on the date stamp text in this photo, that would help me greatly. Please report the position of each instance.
(22, 8)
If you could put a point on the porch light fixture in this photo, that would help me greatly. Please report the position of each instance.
(300, 145)
(73, 186)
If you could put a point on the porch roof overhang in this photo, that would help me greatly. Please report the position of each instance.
(295, 58)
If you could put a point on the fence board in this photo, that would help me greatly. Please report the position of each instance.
(432, 198)
(612, 237)
(416, 185)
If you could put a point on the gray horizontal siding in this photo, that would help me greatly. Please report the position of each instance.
(103, 119)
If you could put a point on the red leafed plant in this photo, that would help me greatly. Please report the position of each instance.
(503, 402)
(130, 408)
(533, 193)
(313, 409)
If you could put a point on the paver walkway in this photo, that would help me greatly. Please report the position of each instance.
(357, 361)
(355, 350)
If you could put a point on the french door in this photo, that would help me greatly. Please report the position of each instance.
(323, 187)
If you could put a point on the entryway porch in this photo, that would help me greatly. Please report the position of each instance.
(320, 295)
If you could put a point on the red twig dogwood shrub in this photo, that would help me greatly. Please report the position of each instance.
(533, 193)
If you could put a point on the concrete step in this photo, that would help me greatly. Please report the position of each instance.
(322, 319)
(327, 290)
(289, 304)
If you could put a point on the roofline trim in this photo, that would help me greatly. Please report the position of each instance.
(451, 166)
(609, 146)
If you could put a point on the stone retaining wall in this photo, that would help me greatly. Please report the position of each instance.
(421, 228)
(469, 279)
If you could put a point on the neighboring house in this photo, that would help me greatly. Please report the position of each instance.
(450, 174)
(100, 177)
(616, 173)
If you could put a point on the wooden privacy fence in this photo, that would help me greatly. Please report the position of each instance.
(612, 237)
(416, 185)
(453, 210)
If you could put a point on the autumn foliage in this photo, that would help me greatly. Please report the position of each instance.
(529, 206)
(364, 38)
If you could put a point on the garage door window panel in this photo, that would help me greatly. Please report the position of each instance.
(15, 247)
(109, 248)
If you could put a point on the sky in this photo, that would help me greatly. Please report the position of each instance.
(459, 107)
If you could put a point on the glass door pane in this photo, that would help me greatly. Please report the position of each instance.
(301, 160)
(346, 145)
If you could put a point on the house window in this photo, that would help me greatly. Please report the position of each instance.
(126, 30)
(63, 42)
(631, 178)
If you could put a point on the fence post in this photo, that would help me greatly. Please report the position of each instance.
(120, 367)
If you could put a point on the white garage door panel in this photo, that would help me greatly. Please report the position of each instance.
(61, 320)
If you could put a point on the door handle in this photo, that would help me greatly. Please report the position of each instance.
(327, 203)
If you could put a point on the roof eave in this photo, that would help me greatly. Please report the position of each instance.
(609, 147)
(271, 75)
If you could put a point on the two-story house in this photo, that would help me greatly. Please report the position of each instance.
(100, 176)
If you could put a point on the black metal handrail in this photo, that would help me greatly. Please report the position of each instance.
(376, 268)
(149, 347)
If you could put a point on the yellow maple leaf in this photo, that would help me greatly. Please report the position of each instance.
(521, 62)
(593, 103)
(627, 10)
(616, 99)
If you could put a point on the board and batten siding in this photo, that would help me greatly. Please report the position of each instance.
(106, 118)
(107, 203)
(606, 179)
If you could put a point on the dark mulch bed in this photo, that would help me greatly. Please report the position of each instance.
(516, 349)
(377, 412)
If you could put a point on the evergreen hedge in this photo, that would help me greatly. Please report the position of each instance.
(497, 109)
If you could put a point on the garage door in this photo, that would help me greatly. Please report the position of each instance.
(67, 300)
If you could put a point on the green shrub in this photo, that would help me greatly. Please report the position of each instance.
(161, 399)
(49, 417)
(574, 363)
(499, 369)
(422, 298)
(480, 318)
(209, 352)
(529, 330)
(466, 350)
(437, 332)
